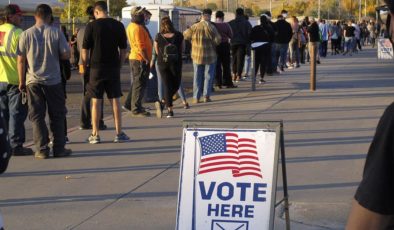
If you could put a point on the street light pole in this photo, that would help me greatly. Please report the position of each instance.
(365, 9)
(318, 12)
(108, 6)
(271, 6)
(359, 10)
(69, 14)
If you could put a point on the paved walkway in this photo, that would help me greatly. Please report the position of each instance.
(134, 185)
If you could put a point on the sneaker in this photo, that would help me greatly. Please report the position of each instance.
(102, 127)
(186, 106)
(41, 154)
(318, 62)
(126, 109)
(63, 153)
(170, 114)
(195, 101)
(67, 140)
(159, 109)
(231, 86)
(290, 67)
(207, 99)
(94, 139)
(22, 151)
(297, 66)
(141, 114)
(122, 137)
(261, 81)
(85, 127)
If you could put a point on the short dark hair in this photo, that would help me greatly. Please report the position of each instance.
(239, 11)
(101, 6)
(43, 11)
(207, 11)
(283, 12)
(90, 12)
(219, 14)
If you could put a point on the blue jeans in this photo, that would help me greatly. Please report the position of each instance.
(280, 55)
(160, 87)
(203, 79)
(248, 60)
(15, 113)
(349, 44)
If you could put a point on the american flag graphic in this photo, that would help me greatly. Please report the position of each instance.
(227, 151)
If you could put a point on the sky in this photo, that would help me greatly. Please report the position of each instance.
(149, 1)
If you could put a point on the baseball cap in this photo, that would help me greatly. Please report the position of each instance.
(13, 9)
(137, 10)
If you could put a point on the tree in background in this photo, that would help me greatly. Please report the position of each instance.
(78, 8)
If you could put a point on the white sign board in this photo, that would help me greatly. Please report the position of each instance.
(228, 179)
(385, 49)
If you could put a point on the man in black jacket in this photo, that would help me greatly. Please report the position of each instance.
(282, 39)
(241, 30)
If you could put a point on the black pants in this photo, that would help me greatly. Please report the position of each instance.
(41, 97)
(262, 59)
(324, 45)
(171, 76)
(223, 71)
(238, 53)
(86, 114)
(140, 72)
(302, 53)
(269, 69)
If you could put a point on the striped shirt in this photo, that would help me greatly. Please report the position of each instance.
(204, 38)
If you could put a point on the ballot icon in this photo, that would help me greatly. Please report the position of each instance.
(229, 225)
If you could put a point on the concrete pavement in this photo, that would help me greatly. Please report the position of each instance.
(134, 185)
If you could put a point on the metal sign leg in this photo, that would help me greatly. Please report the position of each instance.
(284, 174)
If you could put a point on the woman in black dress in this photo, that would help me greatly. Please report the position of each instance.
(168, 46)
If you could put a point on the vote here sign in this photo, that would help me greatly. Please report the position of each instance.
(228, 179)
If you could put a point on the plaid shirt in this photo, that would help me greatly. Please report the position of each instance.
(204, 38)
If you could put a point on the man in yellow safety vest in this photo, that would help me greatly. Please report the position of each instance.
(15, 107)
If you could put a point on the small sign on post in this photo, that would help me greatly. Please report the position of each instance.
(385, 49)
(229, 175)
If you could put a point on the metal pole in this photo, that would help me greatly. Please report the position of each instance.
(312, 54)
(69, 14)
(318, 12)
(365, 8)
(271, 6)
(359, 11)
(284, 176)
(228, 3)
(253, 67)
(108, 7)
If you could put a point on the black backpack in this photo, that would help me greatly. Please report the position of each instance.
(170, 52)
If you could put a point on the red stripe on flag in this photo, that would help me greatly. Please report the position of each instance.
(231, 135)
(246, 140)
(246, 145)
(220, 163)
(219, 158)
(217, 169)
(248, 174)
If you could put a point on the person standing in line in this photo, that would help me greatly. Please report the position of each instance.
(324, 35)
(357, 37)
(15, 111)
(271, 25)
(42, 46)
(294, 43)
(241, 28)
(204, 38)
(282, 39)
(74, 46)
(168, 46)
(314, 40)
(105, 40)
(140, 58)
(86, 113)
(223, 70)
(262, 33)
(349, 37)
